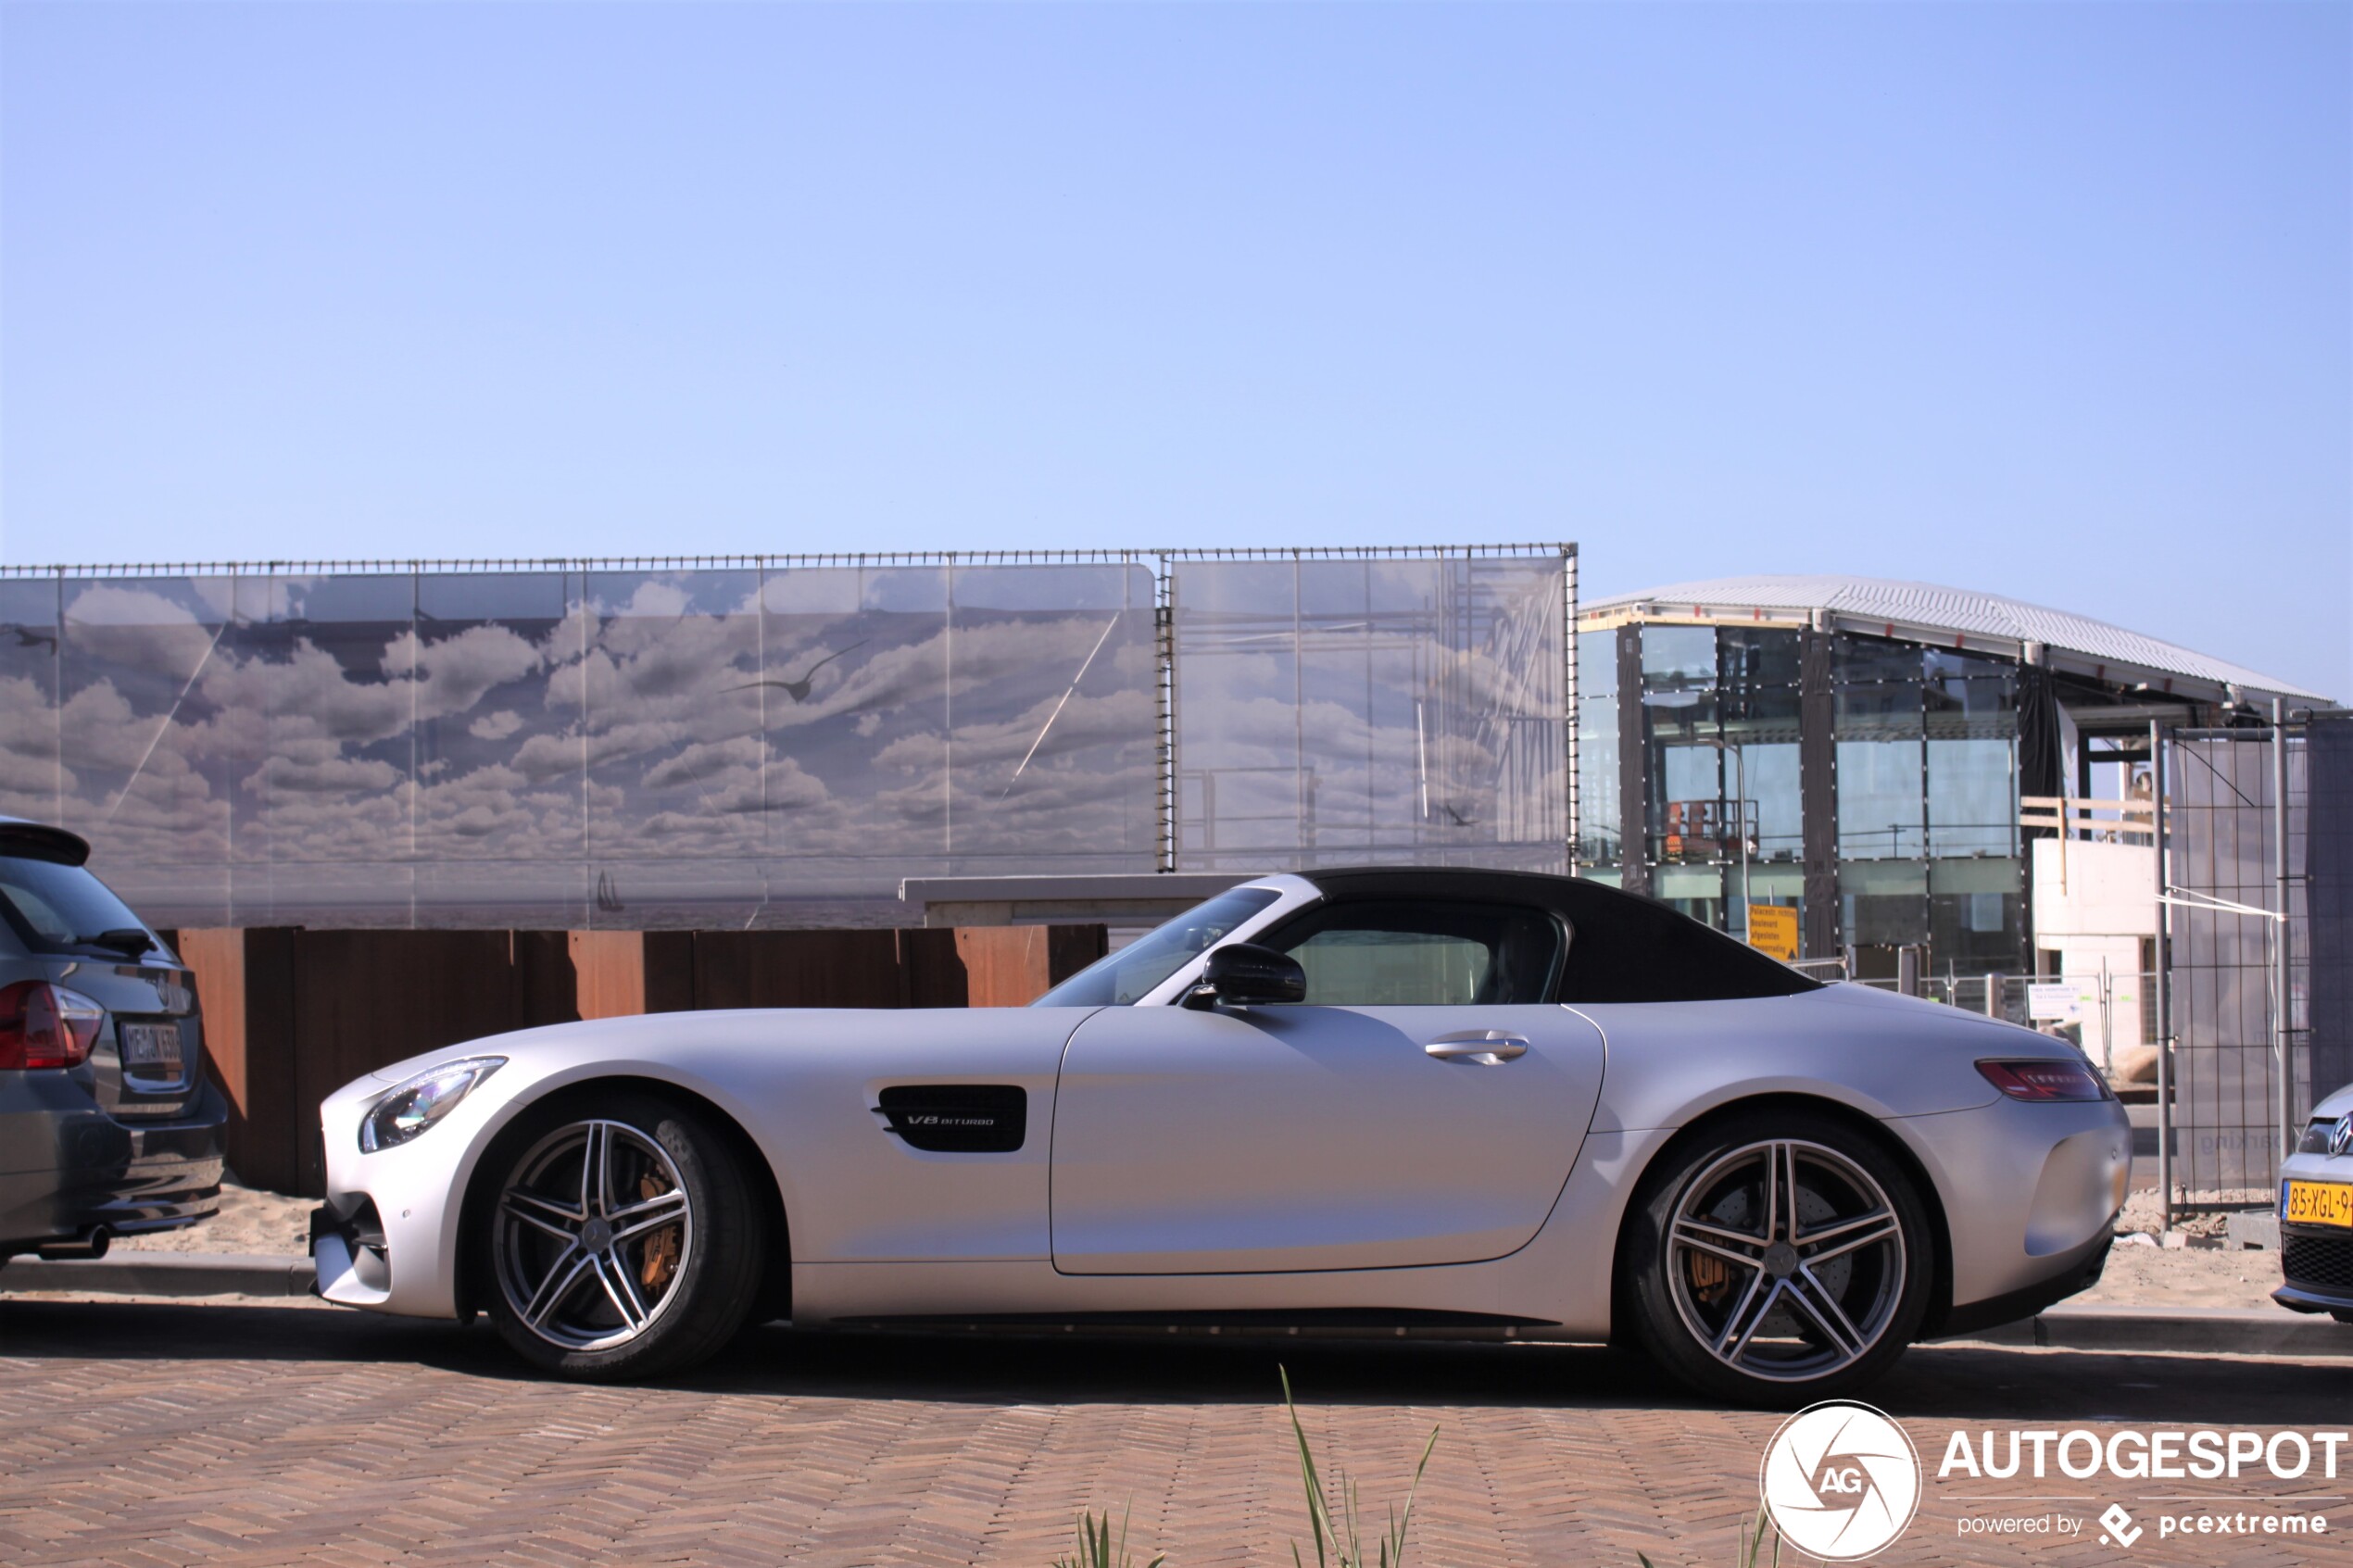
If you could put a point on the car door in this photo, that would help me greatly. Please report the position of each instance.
(1423, 1106)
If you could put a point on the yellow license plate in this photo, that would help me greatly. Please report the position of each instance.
(2318, 1203)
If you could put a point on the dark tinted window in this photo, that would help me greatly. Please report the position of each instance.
(1417, 954)
(59, 908)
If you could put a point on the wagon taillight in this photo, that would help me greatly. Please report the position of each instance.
(45, 1026)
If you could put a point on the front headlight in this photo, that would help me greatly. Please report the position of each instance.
(413, 1106)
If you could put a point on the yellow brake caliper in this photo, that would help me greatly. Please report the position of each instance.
(661, 1248)
(1710, 1277)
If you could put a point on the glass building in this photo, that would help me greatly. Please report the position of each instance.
(1857, 751)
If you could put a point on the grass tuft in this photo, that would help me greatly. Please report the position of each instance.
(1099, 1549)
(1340, 1531)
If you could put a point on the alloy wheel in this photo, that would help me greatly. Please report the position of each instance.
(1786, 1259)
(592, 1233)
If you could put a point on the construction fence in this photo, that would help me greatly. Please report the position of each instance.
(775, 741)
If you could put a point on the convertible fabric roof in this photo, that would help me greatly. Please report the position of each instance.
(1622, 947)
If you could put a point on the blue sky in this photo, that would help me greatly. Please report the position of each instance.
(2050, 300)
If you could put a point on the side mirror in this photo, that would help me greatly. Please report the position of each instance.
(1242, 974)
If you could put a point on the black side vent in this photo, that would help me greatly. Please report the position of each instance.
(958, 1118)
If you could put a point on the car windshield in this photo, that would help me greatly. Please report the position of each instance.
(1125, 976)
(59, 907)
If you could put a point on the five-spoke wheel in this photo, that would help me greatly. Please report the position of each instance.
(617, 1236)
(1781, 1255)
(591, 1231)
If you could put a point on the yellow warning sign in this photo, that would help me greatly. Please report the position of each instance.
(1772, 930)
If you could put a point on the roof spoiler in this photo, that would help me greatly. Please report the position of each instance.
(43, 842)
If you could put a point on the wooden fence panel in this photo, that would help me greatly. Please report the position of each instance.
(1070, 948)
(935, 966)
(1004, 965)
(245, 986)
(609, 971)
(798, 969)
(364, 999)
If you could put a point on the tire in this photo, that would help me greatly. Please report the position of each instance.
(645, 1269)
(1721, 1298)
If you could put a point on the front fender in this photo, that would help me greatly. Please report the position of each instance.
(418, 1187)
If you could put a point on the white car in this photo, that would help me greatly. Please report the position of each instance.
(1467, 1103)
(2316, 1214)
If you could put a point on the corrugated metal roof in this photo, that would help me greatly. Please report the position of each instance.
(1958, 611)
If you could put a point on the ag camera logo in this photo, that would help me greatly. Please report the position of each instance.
(1841, 1480)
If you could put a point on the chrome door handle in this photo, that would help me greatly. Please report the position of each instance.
(1483, 1047)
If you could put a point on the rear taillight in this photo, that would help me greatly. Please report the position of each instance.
(46, 1026)
(2042, 1079)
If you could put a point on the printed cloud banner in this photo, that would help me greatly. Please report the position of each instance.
(677, 748)
(1338, 711)
(770, 743)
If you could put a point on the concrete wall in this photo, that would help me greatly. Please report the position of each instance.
(2090, 889)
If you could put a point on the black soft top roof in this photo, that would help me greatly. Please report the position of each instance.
(1622, 947)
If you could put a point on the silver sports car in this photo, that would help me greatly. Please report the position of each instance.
(1462, 1103)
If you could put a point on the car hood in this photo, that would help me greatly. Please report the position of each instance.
(638, 1036)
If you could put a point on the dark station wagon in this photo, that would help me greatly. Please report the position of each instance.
(108, 1126)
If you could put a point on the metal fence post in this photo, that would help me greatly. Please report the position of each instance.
(2107, 1019)
(2163, 980)
(1165, 720)
(2286, 1088)
(1571, 676)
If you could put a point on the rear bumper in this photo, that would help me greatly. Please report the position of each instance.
(2029, 1194)
(2077, 1271)
(70, 1167)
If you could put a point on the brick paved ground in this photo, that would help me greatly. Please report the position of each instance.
(186, 1434)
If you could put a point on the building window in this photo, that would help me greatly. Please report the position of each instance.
(1882, 777)
(1974, 909)
(1685, 814)
(1600, 812)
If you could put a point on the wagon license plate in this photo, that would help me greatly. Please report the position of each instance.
(2318, 1203)
(152, 1047)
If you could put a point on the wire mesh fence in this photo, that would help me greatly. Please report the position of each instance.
(2110, 1013)
(2235, 918)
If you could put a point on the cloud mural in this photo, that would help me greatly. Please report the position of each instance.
(1338, 712)
(764, 746)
